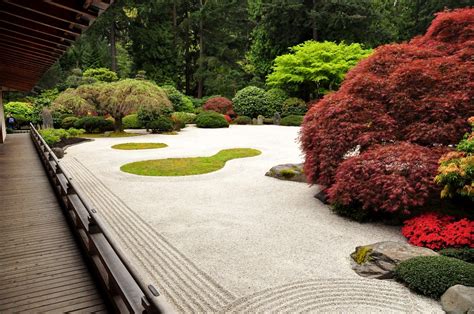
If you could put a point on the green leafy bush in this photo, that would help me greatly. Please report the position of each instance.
(243, 120)
(185, 117)
(131, 122)
(433, 275)
(210, 119)
(314, 68)
(180, 101)
(251, 101)
(93, 124)
(53, 136)
(466, 254)
(21, 111)
(292, 120)
(101, 74)
(161, 124)
(294, 106)
(275, 97)
(68, 122)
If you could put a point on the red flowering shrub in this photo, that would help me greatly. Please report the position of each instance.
(221, 105)
(420, 92)
(390, 180)
(436, 232)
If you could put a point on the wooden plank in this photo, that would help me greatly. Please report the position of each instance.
(41, 268)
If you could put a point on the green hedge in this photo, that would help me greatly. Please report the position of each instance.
(243, 120)
(292, 120)
(131, 122)
(251, 101)
(465, 254)
(93, 124)
(210, 119)
(53, 136)
(162, 124)
(433, 275)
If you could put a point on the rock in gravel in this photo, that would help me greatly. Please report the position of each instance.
(322, 196)
(379, 260)
(289, 172)
(458, 299)
(58, 151)
(276, 118)
(260, 119)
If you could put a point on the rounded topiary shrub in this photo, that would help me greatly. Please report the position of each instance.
(221, 105)
(94, 124)
(131, 122)
(433, 275)
(68, 122)
(418, 92)
(161, 124)
(275, 97)
(294, 106)
(251, 101)
(292, 120)
(211, 119)
(185, 117)
(243, 120)
(388, 181)
(180, 101)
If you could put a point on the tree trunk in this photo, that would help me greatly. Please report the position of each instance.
(201, 52)
(113, 48)
(315, 28)
(118, 125)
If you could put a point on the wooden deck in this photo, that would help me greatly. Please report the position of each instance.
(41, 267)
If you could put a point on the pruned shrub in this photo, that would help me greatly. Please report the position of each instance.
(387, 181)
(436, 231)
(243, 120)
(180, 101)
(94, 124)
(161, 124)
(211, 119)
(22, 112)
(101, 74)
(251, 101)
(275, 98)
(293, 106)
(221, 105)
(185, 117)
(433, 275)
(131, 122)
(68, 122)
(53, 136)
(292, 120)
(419, 92)
(465, 254)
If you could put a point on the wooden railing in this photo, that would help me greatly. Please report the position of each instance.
(127, 292)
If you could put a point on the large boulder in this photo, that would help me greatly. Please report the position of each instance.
(458, 299)
(58, 151)
(379, 260)
(289, 172)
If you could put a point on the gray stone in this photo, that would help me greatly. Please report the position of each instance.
(322, 196)
(47, 118)
(276, 118)
(289, 172)
(379, 260)
(59, 152)
(254, 121)
(458, 299)
(260, 119)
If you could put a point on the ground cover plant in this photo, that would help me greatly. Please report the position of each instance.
(187, 166)
(433, 275)
(418, 92)
(138, 146)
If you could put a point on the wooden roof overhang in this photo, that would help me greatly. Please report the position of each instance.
(35, 33)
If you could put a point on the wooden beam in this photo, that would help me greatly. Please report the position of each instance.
(38, 7)
(55, 47)
(34, 38)
(29, 63)
(38, 29)
(72, 5)
(45, 21)
(15, 42)
(42, 54)
(26, 54)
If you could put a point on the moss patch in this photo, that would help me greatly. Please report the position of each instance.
(361, 255)
(111, 134)
(134, 146)
(187, 166)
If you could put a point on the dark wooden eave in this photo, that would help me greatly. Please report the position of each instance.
(35, 33)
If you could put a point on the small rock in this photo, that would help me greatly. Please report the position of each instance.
(379, 260)
(322, 196)
(290, 172)
(276, 118)
(254, 121)
(59, 152)
(260, 119)
(458, 299)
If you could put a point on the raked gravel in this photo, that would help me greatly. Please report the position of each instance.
(235, 240)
